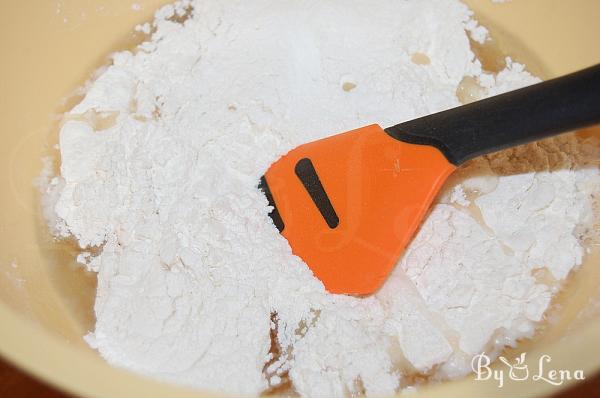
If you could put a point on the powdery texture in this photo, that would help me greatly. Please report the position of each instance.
(160, 163)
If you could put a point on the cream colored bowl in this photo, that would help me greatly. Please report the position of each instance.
(49, 48)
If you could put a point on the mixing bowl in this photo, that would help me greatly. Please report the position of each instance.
(50, 48)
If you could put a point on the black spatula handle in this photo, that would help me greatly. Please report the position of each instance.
(517, 117)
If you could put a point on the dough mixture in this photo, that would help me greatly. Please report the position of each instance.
(159, 167)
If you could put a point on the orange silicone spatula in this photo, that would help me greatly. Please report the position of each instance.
(349, 204)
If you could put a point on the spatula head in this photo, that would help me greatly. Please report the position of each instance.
(349, 204)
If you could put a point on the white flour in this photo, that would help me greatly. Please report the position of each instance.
(160, 163)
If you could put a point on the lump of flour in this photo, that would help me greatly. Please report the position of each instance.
(160, 163)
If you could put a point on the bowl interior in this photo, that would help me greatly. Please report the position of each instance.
(46, 300)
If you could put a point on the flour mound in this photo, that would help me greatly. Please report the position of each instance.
(193, 278)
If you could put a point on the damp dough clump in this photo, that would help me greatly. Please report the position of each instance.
(195, 285)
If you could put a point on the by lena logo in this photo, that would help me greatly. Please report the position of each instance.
(520, 371)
